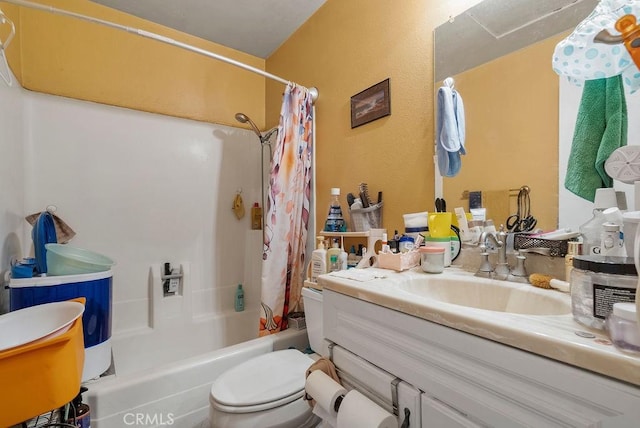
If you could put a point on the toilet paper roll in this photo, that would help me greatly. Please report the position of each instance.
(357, 411)
(324, 390)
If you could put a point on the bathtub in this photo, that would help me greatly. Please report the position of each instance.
(169, 385)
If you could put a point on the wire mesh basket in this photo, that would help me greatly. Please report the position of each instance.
(364, 219)
(524, 241)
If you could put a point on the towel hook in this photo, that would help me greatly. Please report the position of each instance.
(449, 82)
(3, 46)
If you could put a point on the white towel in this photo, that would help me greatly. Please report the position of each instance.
(450, 136)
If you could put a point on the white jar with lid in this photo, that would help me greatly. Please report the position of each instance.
(432, 259)
(597, 283)
(622, 326)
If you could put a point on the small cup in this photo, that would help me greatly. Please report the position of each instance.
(439, 225)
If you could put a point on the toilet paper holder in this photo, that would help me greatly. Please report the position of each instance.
(394, 390)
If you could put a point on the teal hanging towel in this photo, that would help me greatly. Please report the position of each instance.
(601, 127)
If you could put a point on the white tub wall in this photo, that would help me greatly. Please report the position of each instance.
(12, 220)
(145, 189)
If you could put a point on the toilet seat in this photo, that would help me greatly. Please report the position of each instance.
(261, 383)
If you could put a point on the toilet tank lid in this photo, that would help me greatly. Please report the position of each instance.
(262, 379)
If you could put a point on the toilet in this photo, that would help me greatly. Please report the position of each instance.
(268, 390)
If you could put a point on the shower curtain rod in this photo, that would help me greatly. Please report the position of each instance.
(154, 36)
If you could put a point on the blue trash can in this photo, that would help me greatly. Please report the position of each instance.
(96, 288)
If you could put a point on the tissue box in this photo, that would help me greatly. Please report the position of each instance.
(399, 261)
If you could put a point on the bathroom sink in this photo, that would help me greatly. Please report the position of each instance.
(488, 294)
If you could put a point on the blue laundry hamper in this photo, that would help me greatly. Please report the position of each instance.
(96, 320)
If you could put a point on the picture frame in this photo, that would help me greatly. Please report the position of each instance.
(371, 104)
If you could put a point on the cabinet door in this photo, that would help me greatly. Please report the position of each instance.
(436, 413)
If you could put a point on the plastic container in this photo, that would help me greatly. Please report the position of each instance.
(622, 327)
(41, 376)
(610, 244)
(335, 220)
(597, 283)
(256, 216)
(38, 322)
(399, 261)
(432, 259)
(319, 260)
(364, 219)
(416, 223)
(96, 289)
(64, 259)
(444, 243)
(334, 251)
(239, 300)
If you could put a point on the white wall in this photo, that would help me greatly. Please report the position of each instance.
(573, 210)
(142, 189)
(11, 180)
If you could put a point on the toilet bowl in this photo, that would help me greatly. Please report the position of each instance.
(268, 390)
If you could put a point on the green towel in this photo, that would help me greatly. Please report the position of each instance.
(601, 127)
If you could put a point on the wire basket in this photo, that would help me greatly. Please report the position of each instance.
(557, 248)
(364, 219)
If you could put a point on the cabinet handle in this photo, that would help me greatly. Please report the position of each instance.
(407, 414)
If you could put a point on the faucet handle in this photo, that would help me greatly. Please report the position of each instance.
(485, 265)
(519, 269)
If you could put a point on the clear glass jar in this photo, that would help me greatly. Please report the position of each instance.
(597, 282)
(622, 327)
(432, 259)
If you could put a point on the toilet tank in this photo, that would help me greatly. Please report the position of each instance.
(313, 317)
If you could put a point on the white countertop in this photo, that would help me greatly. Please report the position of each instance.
(552, 336)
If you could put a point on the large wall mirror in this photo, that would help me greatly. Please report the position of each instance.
(499, 55)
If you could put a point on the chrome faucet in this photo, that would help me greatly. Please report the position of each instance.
(499, 239)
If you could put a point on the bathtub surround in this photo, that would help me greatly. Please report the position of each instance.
(288, 211)
(12, 133)
(142, 189)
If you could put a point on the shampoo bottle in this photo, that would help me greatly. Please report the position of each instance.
(318, 260)
(239, 299)
(256, 217)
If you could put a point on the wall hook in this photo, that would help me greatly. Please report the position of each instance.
(5, 73)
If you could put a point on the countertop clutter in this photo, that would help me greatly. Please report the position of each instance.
(519, 315)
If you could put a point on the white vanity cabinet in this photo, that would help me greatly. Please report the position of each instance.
(469, 381)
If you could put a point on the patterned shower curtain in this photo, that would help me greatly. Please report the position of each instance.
(287, 220)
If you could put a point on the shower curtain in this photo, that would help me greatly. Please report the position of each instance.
(287, 220)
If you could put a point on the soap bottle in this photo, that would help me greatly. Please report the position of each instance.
(318, 260)
(334, 263)
(239, 299)
(591, 231)
(335, 220)
(256, 216)
(333, 251)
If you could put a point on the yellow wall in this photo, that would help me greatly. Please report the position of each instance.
(511, 110)
(72, 58)
(347, 46)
